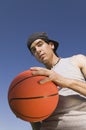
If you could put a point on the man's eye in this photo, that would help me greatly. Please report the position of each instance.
(40, 44)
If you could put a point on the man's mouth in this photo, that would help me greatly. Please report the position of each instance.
(42, 56)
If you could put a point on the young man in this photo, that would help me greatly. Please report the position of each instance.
(67, 73)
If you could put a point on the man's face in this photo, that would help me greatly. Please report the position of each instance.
(42, 50)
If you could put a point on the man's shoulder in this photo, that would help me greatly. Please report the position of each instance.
(78, 57)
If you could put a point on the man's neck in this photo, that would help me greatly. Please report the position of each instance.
(53, 62)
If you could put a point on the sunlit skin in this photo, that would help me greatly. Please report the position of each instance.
(44, 53)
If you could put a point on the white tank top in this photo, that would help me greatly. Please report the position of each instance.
(69, 99)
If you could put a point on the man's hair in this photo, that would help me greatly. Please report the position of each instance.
(44, 37)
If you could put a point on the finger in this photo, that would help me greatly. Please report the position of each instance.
(35, 68)
(40, 71)
(45, 80)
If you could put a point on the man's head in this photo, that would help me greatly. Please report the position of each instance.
(44, 37)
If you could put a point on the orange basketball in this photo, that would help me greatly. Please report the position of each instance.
(31, 101)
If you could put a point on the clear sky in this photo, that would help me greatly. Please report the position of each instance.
(63, 20)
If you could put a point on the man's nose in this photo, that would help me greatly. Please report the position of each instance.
(38, 49)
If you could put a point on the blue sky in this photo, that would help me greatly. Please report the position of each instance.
(63, 20)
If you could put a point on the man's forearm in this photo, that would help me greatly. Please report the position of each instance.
(78, 86)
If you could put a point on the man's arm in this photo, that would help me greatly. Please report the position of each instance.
(80, 61)
(59, 80)
(76, 85)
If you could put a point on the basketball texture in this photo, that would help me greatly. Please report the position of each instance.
(31, 101)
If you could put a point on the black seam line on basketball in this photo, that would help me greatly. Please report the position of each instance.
(21, 81)
(33, 97)
(29, 116)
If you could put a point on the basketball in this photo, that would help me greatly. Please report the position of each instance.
(31, 101)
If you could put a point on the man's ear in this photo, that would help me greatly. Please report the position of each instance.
(52, 45)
